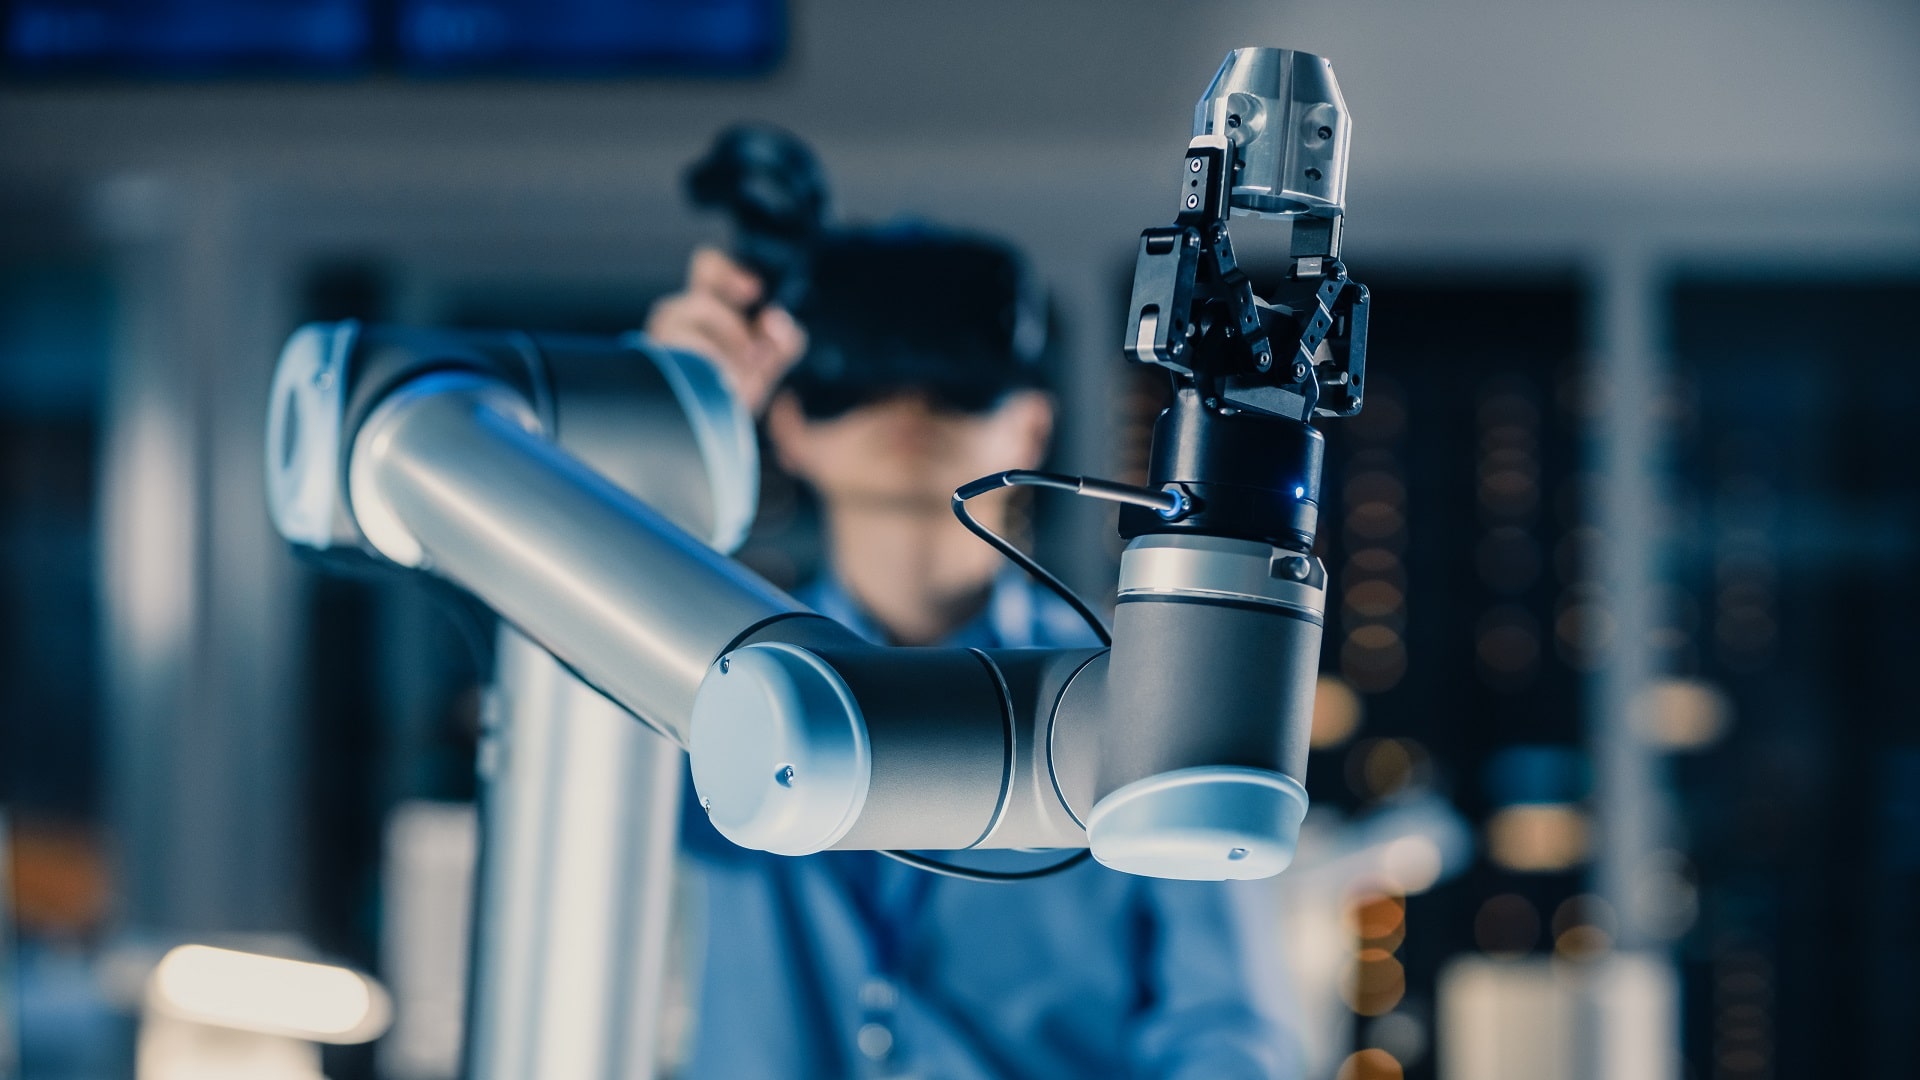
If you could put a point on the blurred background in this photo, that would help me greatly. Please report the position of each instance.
(1625, 542)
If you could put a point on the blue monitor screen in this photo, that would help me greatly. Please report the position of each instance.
(303, 37)
(186, 36)
(587, 35)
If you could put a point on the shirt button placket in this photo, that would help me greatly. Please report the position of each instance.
(875, 1037)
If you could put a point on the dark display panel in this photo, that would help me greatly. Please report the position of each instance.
(1799, 502)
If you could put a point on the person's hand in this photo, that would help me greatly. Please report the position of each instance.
(711, 318)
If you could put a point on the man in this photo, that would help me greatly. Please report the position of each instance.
(920, 374)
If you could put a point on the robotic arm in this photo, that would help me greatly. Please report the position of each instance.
(585, 489)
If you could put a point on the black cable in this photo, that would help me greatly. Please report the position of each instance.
(1170, 504)
(932, 866)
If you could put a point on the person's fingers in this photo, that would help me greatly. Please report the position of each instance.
(752, 355)
(711, 271)
(705, 324)
(779, 343)
(782, 333)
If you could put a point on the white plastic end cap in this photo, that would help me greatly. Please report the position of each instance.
(1210, 823)
(781, 759)
(305, 409)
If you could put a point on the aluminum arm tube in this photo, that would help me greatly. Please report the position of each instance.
(451, 473)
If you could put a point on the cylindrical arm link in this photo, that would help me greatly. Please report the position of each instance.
(454, 465)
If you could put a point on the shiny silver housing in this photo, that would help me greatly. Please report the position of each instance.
(1284, 111)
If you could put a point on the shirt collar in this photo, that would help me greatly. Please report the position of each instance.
(1009, 621)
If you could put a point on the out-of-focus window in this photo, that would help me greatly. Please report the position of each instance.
(53, 347)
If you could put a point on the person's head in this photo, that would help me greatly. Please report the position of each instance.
(922, 371)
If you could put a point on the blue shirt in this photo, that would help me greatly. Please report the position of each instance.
(847, 964)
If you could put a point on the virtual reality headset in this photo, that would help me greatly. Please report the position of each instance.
(893, 310)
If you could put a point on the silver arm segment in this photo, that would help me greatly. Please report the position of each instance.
(803, 736)
(451, 474)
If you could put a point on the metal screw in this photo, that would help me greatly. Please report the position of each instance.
(1193, 165)
(1237, 854)
(1193, 241)
(707, 805)
(1263, 361)
(1299, 371)
(1193, 201)
(785, 776)
(1233, 119)
(1325, 132)
(725, 664)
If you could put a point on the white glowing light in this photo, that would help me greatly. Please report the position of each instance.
(1411, 864)
(250, 992)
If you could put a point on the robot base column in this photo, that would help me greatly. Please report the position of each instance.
(580, 814)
